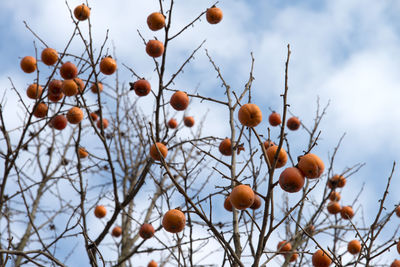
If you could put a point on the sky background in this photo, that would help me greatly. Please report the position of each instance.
(345, 52)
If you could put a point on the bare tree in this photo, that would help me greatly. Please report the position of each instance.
(115, 157)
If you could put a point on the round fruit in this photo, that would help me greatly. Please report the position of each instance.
(282, 157)
(172, 123)
(293, 123)
(82, 153)
(174, 221)
(321, 259)
(228, 204)
(156, 21)
(152, 264)
(274, 119)
(242, 197)
(96, 87)
(100, 211)
(154, 48)
(146, 231)
(179, 100)
(68, 70)
(333, 207)
(116, 232)
(34, 91)
(398, 247)
(268, 144)
(214, 15)
(250, 115)
(103, 122)
(28, 64)
(49, 56)
(55, 97)
(398, 211)
(142, 87)
(108, 65)
(69, 87)
(154, 153)
(291, 180)
(395, 263)
(75, 115)
(225, 147)
(294, 257)
(40, 110)
(347, 212)
(336, 181)
(311, 165)
(59, 122)
(55, 87)
(94, 116)
(354, 247)
(80, 83)
(82, 12)
(284, 246)
(334, 196)
(188, 121)
(257, 202)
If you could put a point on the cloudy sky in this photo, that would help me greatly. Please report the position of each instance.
(345, 52)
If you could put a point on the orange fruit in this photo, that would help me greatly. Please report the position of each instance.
(75, 115)
(336, 181)
(179, 100)
(154, 153)
(100, 211)
(334, 196)
(228, 204)
(49, 56)
(354, 247)
(103, 122)
(347, 212)
(188, 121)
(58, 122)
(96, 87)
(156, 21)
(291, 180)
(250, 115)
(40, 110)
(225, 147)
(68, 70)
(116, 232)
(214, 15)
(321, 259)
(282, 156)
(242, 197)
(174, 221)
(334, 207)
(154, 48)
(274, 119)
(257, 202)
(146, 231)
(108, 65)
(172, 123)
(34, 91)
(69, 87)
(82, 153)
(293, 123)
(142, 87)
(82, 12)
(311, 165)
(28, 64)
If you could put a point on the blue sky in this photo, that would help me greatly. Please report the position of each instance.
(345, 52)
